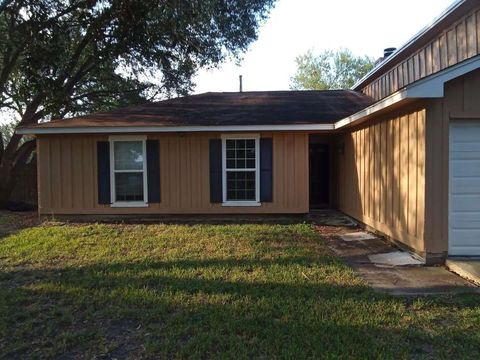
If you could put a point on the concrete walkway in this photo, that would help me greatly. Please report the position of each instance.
(385, 267)
(468, 268)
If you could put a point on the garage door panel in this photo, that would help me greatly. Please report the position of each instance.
(464, 184)
(464, 251)
(465, 221)
(465, 168)
(464, 131)
(465, 202)
(467, 237)
(469, 147)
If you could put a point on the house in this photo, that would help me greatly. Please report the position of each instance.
(400, 151)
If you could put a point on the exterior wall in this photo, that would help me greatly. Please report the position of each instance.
(461, 101)
(455, 43)
(67, 173)
(381, 175)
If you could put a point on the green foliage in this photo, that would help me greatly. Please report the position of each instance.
(330, 70)
(7, 129)
(77, 56)
(65, 58)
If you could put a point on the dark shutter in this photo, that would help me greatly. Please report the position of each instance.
(103, 172)
(266, 167)
(153, 171)
(216, 192)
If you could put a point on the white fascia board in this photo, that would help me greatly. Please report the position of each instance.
(430, 87)
(380, 105)
(165, 129)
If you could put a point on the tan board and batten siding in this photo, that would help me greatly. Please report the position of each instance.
(458, 42)
(68, 175)
(461, 102)
(381, 175)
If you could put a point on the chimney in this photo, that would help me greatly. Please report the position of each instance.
(240, 80)
(388, 51)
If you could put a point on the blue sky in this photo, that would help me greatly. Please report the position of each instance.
(364, 26)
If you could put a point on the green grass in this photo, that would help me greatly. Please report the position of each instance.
(209, 291)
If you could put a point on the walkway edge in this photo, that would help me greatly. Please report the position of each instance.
(464, 269)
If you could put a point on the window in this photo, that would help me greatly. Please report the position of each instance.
(240, 170)
(128, 171)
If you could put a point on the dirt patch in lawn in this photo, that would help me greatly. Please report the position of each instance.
(11, 222)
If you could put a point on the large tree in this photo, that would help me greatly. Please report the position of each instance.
(61, 58)
(329, 70)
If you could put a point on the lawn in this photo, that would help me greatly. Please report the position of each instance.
(270, 290)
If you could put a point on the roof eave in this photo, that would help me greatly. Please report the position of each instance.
(432, 86)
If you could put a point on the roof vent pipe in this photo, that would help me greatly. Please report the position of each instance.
(240, 81)
(388, 51)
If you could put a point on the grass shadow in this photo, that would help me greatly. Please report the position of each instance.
(219, 308)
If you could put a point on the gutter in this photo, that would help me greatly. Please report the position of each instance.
(170, 129)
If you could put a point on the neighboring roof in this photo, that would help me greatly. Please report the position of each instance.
(453, 12)
(227, 109)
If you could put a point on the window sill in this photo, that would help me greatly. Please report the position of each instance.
(241, 203)
(128, 204)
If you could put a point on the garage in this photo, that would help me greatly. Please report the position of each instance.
(464, 188)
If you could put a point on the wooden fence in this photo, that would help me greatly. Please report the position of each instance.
(25, 190)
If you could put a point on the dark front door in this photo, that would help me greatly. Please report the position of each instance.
(319, 175)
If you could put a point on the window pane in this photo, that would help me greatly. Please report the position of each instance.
(240, 154)
(129, 187)
(128, 155)
(230, 144)
(241, 186)
(240, 144)
(230, 154)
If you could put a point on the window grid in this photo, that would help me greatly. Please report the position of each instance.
(240, 169)
(123, 180)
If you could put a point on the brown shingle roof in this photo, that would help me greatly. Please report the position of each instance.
(223, 109)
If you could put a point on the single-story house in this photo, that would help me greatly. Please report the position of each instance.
(400, 151)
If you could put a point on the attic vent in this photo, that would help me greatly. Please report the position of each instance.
(388, 51)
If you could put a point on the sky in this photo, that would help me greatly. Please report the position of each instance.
(365, 27)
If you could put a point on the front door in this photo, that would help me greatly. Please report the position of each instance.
(319, 175)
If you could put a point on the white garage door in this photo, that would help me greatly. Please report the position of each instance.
(464, 201)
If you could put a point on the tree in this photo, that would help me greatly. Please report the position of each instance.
(70, 57)
(330, 70)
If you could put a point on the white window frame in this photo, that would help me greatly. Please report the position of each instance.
(255, 137)
(112, 140)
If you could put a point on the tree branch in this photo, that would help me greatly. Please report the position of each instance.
(1, 146)
(106, 92)
(22, 154)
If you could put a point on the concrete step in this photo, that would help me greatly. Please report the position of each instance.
(468, 268)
